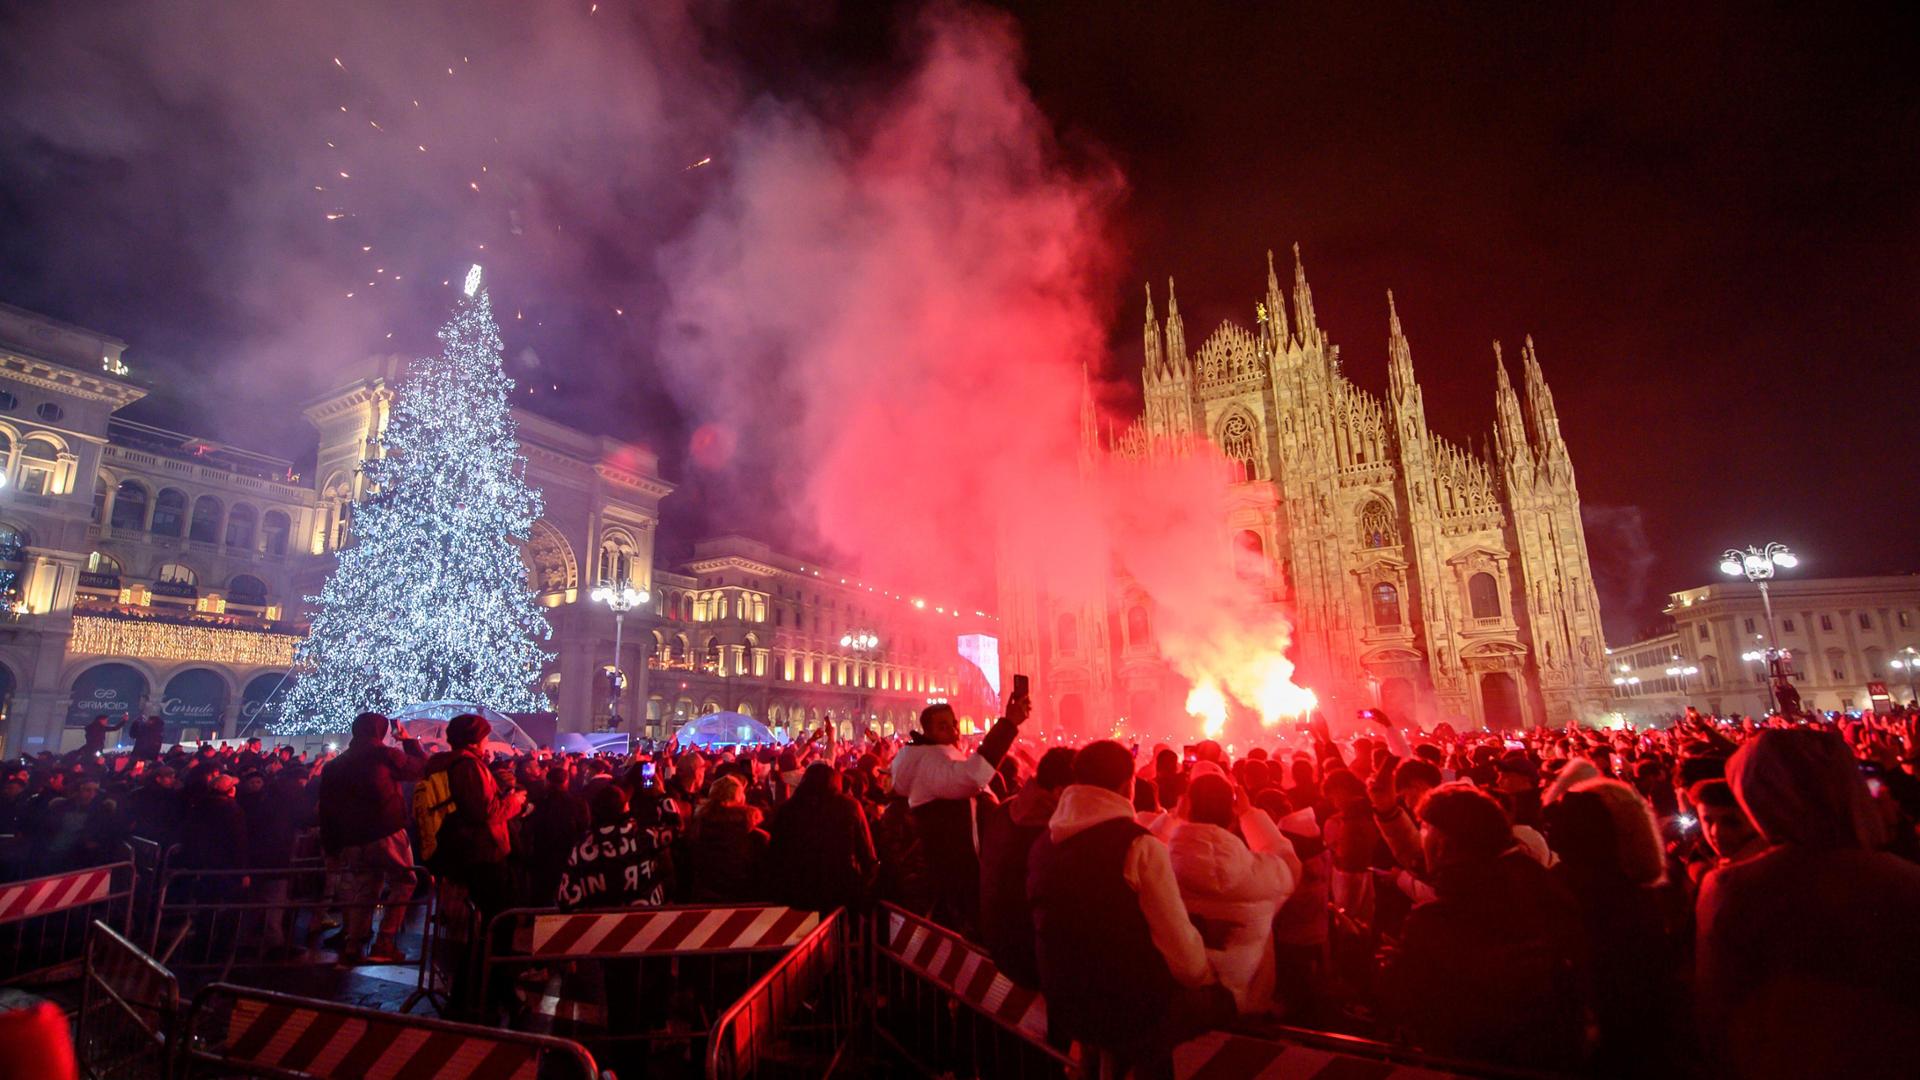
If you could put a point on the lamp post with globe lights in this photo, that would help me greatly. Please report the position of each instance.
(1909, 662)
(1758, 565)
(1680, 673)
(619, 599)
(866, 645)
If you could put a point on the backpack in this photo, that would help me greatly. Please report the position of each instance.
(432, 803)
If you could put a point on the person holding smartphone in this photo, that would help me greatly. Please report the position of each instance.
(940, 783)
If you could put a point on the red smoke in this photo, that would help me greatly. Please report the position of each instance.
(902, 306)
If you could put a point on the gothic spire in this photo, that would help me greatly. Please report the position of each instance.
(1155, 355)
(1276, 304)
(1089, 416)
(1303, 318)
(1176, 333)
(1399, 353)
(1539, 402)
(1509, 430)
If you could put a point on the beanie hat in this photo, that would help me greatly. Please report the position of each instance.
(467, 729)
(370, 725)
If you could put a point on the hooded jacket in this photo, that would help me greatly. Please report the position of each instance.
(1232, 888)
(1149, 873)
(1007, 833)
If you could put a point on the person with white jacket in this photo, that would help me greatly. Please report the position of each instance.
(1233, 887)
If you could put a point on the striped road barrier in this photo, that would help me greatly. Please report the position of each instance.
(942, 1004)
(798, 1019)
(43, 921)
(232, 1029)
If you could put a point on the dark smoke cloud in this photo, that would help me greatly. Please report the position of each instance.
(166, 155)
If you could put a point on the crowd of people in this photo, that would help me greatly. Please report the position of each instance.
(1718, 896)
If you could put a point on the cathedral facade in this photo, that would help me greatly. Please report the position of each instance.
(1421, 576)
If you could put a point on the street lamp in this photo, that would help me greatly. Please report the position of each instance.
(1757, 564)
(1681, 673)
(1909, 661)
(620, 599)
(865, 643)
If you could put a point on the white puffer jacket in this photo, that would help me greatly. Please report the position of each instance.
(1232, 889)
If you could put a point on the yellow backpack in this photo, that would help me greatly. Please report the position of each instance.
(432, 802)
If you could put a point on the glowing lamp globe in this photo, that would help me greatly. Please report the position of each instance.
(1730, 568)
(1786, 558)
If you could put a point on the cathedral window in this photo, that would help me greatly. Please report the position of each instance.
(1376, 526)
(1067, 635)
(1139, 631)
(1237, 442)
(1483, 595)
(1386, 605)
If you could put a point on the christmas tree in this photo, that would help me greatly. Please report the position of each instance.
(430, 601)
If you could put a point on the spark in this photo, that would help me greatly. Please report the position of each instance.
(336, 216)
(343, 108)
(349, 296)
(330, 146)
(366, 247)
(697, 164)
(618, 311)
(344, 176)
(423, 149)
(376, 125)
(474, 184)
(317, 187)
(416, 103)
(338, 64)
(389, 335)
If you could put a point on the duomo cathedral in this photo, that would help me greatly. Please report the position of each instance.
(1434, 580)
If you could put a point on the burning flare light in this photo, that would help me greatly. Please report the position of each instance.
(1206, 702)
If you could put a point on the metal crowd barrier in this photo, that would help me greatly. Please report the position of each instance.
(798, 1019)
(150, 860)
(942, 1005)
(235, 1031)
(212, 920)
(43, 920)
(672, 968)
(129, 1006)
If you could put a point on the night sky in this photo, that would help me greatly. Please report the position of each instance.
(1707, 220)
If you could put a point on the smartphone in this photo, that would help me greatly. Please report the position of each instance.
(647, 770)
(1019, 686)
(1190, 753)
(1367, 714)
(1516, 744)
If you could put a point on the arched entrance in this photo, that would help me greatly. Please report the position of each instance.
(116, 691)
(194, 705)
(1500, 701)
(260, 703)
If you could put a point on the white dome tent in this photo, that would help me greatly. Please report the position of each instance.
(427, 721)
(725, 729)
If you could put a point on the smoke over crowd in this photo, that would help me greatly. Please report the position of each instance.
(879, 307)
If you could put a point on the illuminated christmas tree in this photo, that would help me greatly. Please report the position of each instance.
(430, 600)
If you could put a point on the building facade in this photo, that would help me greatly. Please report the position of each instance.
(1423, 576)
(146, 571)
(743, 628)
(1851, 644)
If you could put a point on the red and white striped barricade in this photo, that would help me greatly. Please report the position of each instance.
(699, 958)
(1309, 1055)
(799, 1017)
(129, 1005)
(43, 921)
(941, 1002)
(232, 1030)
